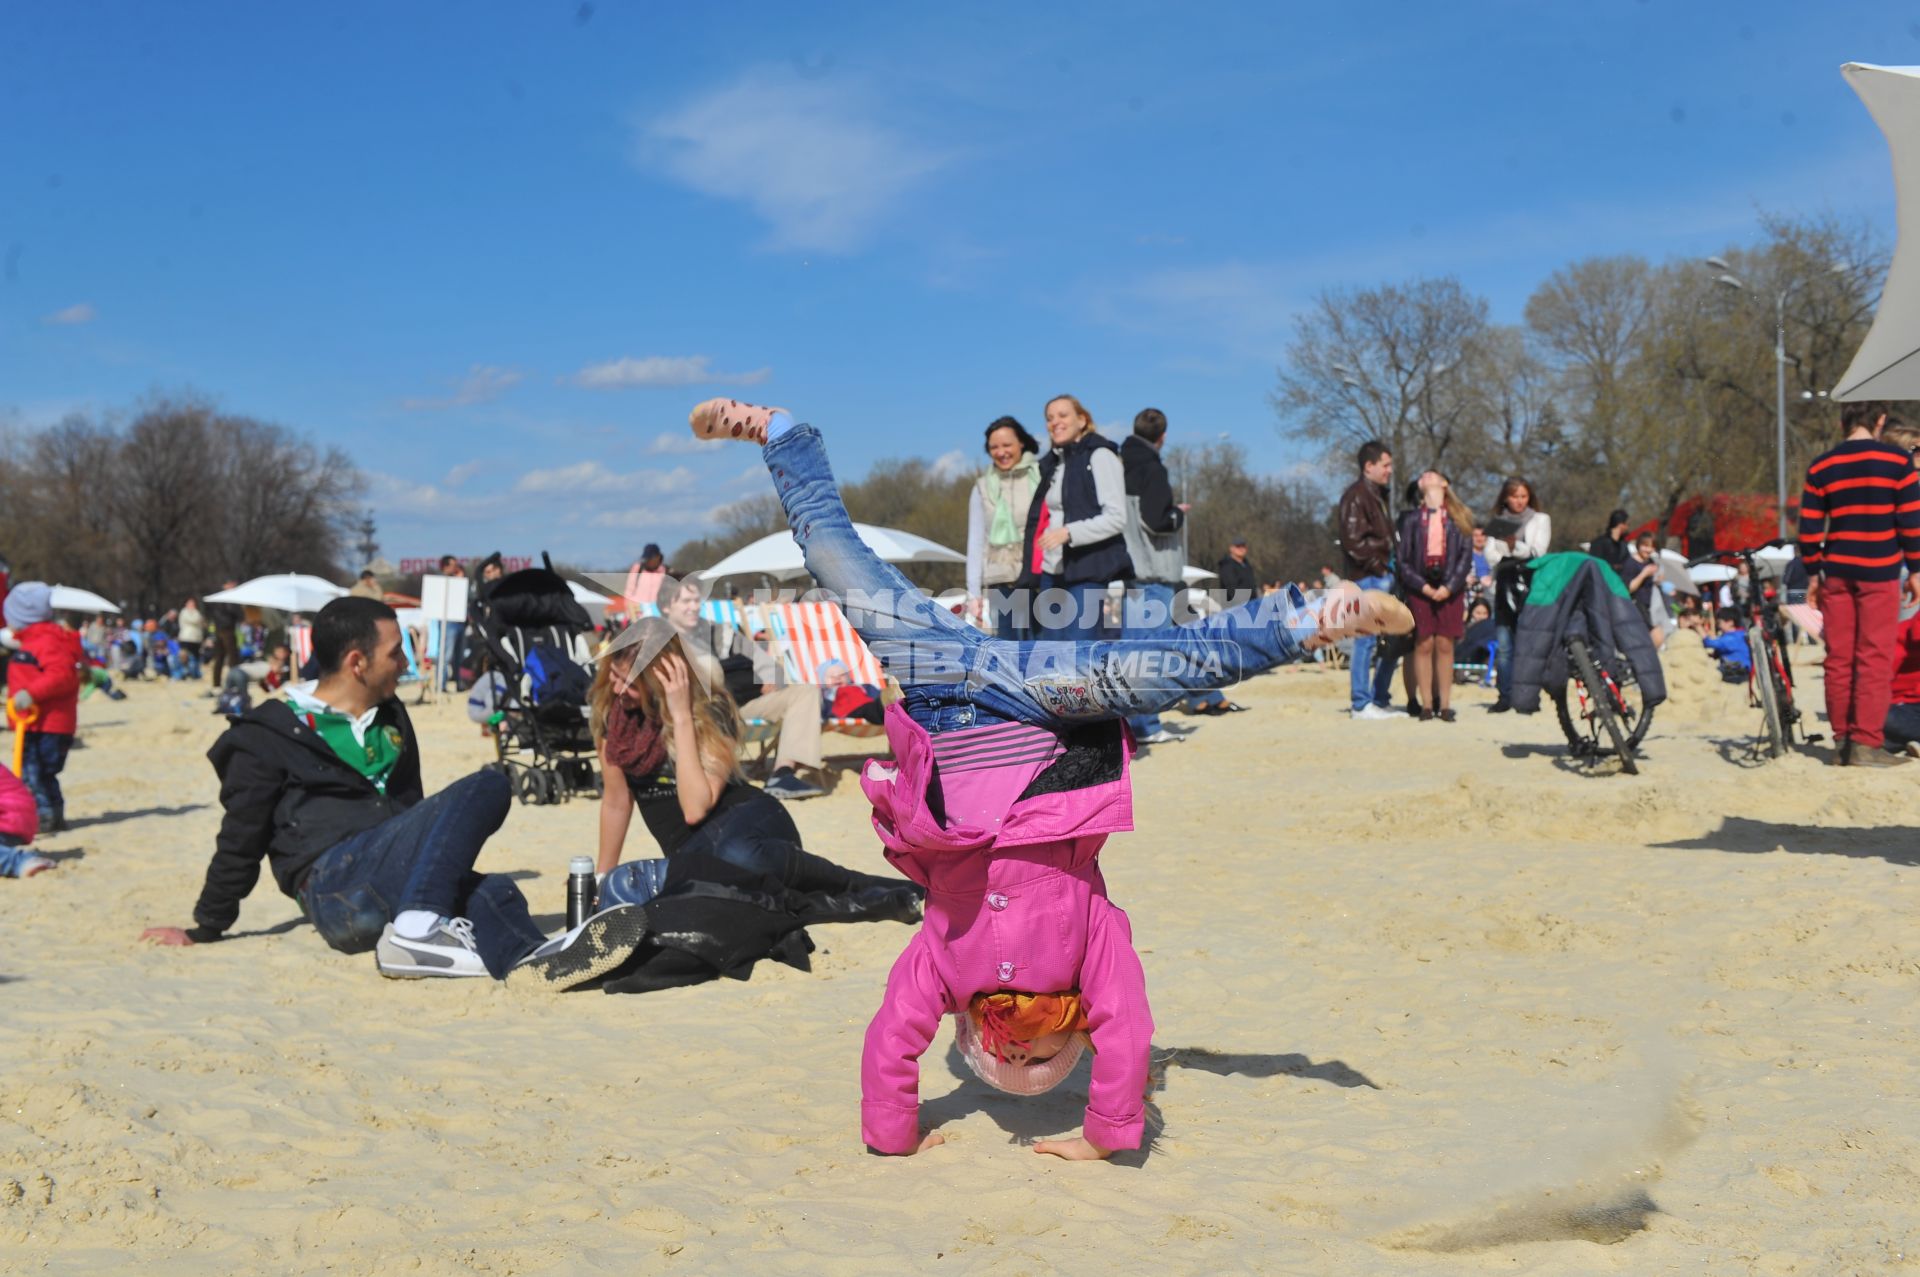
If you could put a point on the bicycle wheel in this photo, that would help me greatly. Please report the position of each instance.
(1773, 727)
(1601, 706)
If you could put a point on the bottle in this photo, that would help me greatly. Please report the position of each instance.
(582, 890)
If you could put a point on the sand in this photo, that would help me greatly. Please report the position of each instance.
(1430, 999)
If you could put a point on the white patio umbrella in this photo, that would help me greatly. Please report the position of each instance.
(1673, 569)
(71, 598)
(287, 592)
(592, 600)
(1887, 365)
(778, 556)
(1191, 574)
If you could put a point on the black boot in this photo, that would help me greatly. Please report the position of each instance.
(892, 902)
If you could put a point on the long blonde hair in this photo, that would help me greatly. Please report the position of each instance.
(716, 719)
(1079, 408)
(1456, 508)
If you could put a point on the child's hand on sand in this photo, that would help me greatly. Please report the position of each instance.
(1077, 1149)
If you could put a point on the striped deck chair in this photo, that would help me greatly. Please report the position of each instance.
(300, 643)
(807, 636)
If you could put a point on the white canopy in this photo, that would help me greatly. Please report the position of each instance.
(592, 600)
(1887, 365)
(71, 598)
(288, 592)
(778, 556)
(1191, 574)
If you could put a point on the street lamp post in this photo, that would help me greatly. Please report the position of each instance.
(1726, 278)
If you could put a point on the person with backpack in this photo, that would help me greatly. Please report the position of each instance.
(1518, 531)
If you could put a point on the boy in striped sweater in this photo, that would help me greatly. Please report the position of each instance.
(1859, 522)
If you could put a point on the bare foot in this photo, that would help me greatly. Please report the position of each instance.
(1077, 1149)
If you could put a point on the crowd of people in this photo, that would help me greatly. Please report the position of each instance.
(1012, 731)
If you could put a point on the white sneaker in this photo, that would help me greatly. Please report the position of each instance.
(1375, 713)
(447, 950)
(1162, 737)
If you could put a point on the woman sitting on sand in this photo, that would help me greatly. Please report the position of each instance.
(670, 746)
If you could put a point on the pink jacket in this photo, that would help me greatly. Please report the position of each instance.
(19, 814)
(1014, 901)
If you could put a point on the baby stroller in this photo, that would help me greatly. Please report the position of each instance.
(537, 637)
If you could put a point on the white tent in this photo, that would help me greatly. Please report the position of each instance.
(592, 600)
(287, 592)
(1191, 574)
(1887, 365)
(778, 556)
(71, 598)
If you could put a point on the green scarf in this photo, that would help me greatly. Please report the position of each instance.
(1026, 473)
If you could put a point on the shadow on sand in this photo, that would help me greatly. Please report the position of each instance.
(1059, 1111)
(115, 817)
(1891, 843)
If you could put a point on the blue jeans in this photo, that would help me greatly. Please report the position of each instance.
(633, 883)
(41, 762)
(456, 638)
(1903, 726)
(952, 675)
(761, 838)
(1366, 687)
(13, 857)
(1148, 607)
(1004, 618)
(1503, 660)
(423, 859)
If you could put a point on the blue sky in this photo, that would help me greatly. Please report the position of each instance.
(496, 250)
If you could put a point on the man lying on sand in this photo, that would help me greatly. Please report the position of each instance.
(326, 786)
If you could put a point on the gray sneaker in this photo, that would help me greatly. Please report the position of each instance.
(587, 952)
(447, 950)
(788, 787)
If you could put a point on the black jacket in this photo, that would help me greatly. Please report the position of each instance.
(1147, 479)
(1237, 577)
(288, 798)
(1574, 594)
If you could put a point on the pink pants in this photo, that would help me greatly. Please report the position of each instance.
(1862, 637)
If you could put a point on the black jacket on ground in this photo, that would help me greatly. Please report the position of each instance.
(289, 798)
(1237, 577)
(1147, 479)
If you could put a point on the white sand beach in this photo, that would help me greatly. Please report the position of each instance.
(1430, 999)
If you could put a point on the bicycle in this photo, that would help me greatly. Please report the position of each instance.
(1769, 668)
(1602, 714)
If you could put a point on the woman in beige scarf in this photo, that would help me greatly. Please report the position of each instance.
(996, 527)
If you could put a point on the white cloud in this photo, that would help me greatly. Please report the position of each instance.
(951, 465)
(482, 384)
(681, 445)
(661, 370)
(81, 313)
(462, 472)
(595, 478)
(808, 157)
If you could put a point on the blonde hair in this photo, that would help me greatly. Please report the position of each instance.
(716, 720)
(1456, 508)
(1079, 408)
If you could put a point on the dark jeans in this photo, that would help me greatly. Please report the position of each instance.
(760, 837)
(226, 652)
(41, 763)
(1903, 726)
(423, 859)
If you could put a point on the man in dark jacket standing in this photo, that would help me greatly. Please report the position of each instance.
(1157, 545)
(325, 786)
(1366, 539)
(1612, 548)
(1238, 582)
